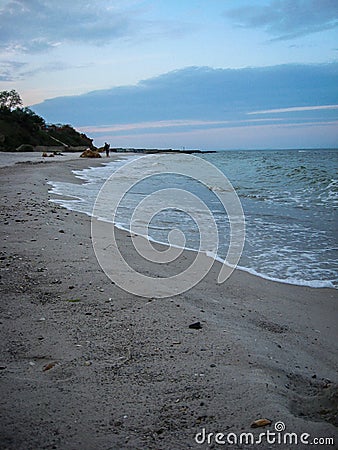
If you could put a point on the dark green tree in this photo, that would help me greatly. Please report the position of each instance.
(28, 118)
(10, 100)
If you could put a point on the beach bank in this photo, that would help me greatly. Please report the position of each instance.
(87, 365)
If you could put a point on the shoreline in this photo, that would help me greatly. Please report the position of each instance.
(8, 159)
(303, 283)
(316, 283)
(128, 372)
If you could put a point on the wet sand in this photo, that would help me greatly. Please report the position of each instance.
(86, 365)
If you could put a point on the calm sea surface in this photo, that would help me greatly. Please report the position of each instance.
(289, 199)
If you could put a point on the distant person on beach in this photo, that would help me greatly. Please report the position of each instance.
(107, 149)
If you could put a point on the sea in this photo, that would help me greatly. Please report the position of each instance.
(289, 200)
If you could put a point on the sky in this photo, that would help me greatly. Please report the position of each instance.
(205, 74)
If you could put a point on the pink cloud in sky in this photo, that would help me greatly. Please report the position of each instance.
(164, 124)
(304, 135)
(294, 109)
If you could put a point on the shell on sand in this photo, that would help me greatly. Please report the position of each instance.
(260, 423)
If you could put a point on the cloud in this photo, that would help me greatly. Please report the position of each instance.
(16, 71)
(201, 107)
(33, 26)
(57, 66)
(201, 94)
(295, 109)
(154, 125)
(288, 19)
(286, 135)
(9, 70)
(38, 25)
(162, 124)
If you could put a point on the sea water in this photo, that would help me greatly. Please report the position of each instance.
(289, 199)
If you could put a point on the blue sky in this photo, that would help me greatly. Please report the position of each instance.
(193, 73)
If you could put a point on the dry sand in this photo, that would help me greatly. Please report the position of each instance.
(12, 158)
(126, 372)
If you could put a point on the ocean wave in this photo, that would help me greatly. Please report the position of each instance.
(295, 281)
(285, 215)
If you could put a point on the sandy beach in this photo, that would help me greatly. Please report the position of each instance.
(86, 365)
(8, 159)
